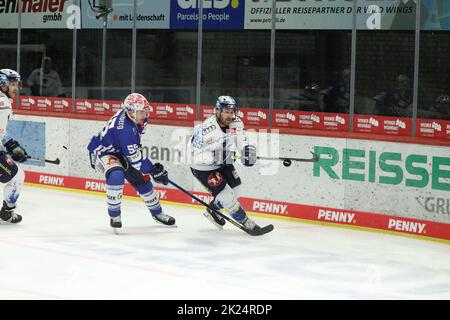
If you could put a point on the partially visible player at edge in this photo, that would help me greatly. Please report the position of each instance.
(10, 174)
(214, 144)
(116, 152)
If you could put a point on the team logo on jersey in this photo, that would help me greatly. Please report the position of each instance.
(215, 179)
(209, 129)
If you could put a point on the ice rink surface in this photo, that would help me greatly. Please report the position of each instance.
(65, 249)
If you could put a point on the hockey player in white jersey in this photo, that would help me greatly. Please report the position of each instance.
(10, 150)
(214, 144)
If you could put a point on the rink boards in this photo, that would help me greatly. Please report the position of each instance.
(385, 186)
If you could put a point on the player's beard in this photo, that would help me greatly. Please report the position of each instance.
(13, 90)
(225, 122)
(12, 93)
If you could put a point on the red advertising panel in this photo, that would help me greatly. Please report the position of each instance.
(172, 111)
(254, 116)
(430, 128)
(98, 107)
(62, 104)
(310, 120)
(382, 125)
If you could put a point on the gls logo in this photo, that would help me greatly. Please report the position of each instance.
(208, 4)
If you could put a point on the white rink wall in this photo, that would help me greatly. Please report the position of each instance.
(397, 179)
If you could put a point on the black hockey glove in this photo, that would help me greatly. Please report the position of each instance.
(248, 156)
(160, 175)
(16, 151)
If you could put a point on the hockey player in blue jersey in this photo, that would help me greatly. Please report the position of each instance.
(116, 152)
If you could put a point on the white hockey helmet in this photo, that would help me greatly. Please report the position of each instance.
(225, 102)
(4, 82)
(135, 102)
(13, 76)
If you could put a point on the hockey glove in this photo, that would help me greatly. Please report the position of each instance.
(248, 157)
(160, 175)
(16, 151)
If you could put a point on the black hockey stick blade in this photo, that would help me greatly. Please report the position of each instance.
(260, 231)
(254, 232)
(56, 161)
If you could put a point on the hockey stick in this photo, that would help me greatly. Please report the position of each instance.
(257, 232)
(288, 161)
(56, 161)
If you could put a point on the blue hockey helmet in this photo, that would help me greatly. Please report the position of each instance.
(4, 82)
(225, 102)
(13, 76)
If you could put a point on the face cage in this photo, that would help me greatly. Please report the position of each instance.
(132, 114)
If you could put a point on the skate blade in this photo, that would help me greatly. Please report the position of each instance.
(166, 225)
(169, 226)
(116, 231)
(8, 223)
(207, 216)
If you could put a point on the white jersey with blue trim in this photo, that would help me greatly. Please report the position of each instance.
(212, 146)
(121, 137)
(5, 116)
